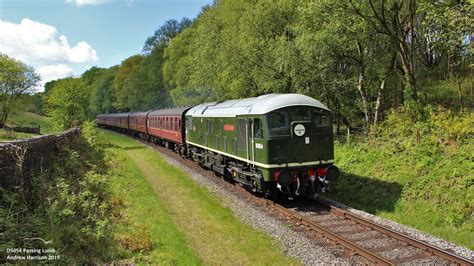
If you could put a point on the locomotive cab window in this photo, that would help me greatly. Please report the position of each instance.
(278, 123)
(300, 114)
(321, 118)
(257, 128)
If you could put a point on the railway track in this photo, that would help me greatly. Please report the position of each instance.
(328, 219)
(344, 228)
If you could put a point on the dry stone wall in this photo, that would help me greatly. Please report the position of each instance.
(21, 160)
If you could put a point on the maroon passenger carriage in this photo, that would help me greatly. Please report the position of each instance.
(114, 121)
(164, 127)
(137, 124)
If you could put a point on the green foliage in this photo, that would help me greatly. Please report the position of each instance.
(343, 53)
(100, 83)
(16, 79)
(338, 52)
(427, 154)
(66, 103)
(68, 207)
(165, 33)
(144, 88)
(128, 67)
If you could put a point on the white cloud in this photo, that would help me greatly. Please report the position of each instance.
(41, 46)
(52, 72)
(82, 53)
(34, 42)
(87, 2)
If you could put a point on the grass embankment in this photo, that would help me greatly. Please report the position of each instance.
(417, 173)
(186, 224)
(26, 119)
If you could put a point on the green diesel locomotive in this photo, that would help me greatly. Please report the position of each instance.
(271, 143)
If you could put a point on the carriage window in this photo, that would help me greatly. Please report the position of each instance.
(257, 128)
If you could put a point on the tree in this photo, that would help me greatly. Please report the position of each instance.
(128, 67)
(67, 101)
(165, 33)
(100, 84)
(16, 79)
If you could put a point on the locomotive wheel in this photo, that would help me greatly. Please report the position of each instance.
(272, 192)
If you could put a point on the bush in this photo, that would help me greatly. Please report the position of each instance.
(426, 151)
(69, 208)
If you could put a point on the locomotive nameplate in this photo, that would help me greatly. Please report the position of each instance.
(299, 130)
(229, 127)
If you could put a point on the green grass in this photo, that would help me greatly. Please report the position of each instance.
(145, 218)
(27, 119)
(443, 206)
(210, 230)
(10, 135)
(417, 173)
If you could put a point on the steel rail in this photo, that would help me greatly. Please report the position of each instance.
(354, 248)
(397, 235)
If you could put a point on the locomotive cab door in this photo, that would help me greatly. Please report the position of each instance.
(252, 141)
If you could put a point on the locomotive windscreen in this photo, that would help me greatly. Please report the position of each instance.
(279, 121)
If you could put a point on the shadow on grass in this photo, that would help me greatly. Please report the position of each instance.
(367, 194)
(133, 148)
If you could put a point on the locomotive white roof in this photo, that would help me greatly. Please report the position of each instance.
(253, 106)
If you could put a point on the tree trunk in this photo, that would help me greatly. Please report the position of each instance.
(409, 69)
(380, 94)
(461, 101)
(360, 85)
(3, 119)
(378, 104)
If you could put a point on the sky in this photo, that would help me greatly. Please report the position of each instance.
(60, 38)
